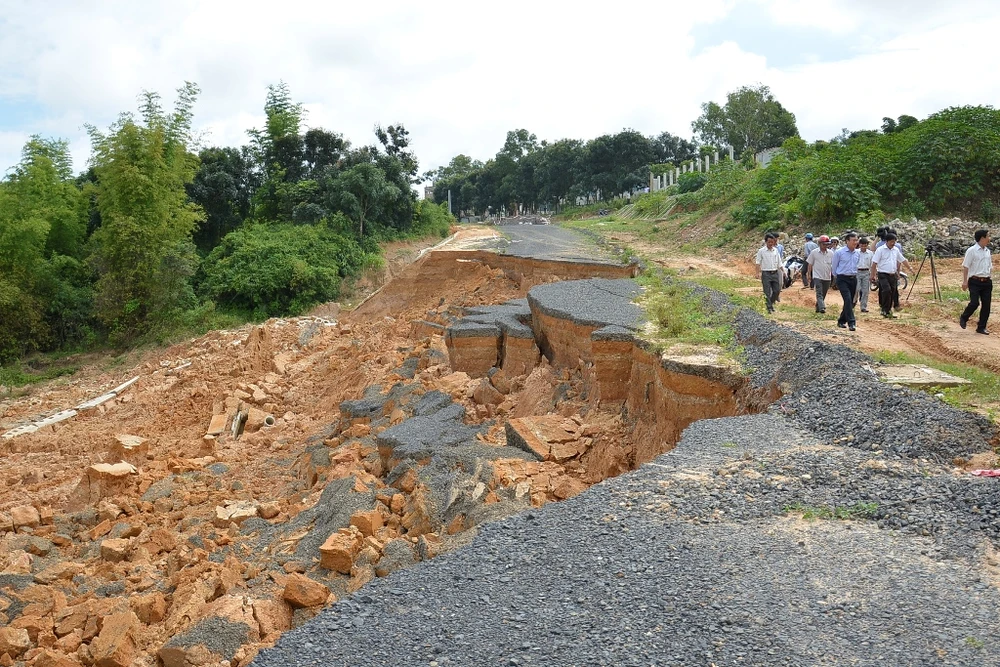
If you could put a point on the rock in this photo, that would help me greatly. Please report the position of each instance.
(367, 522)
(268, 510)
(273, 617)
(103, 480)
(115, 645)
(398, 503)
(151, 608)
(234, 512)
(14, 641)
(25, 516)
(49, 658)
(396, 555)
(301, 591)
(486, 394)
(128, 448)
(339, 550)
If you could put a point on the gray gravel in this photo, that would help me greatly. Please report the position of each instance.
(645, 569)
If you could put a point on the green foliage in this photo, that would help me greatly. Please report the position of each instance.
(758, 209)
(679, 314)
(692, 181)
(859, 510)
(20, 374)
(142, 251)
(650, 204)
(750, 121)
(432, 219)
(283, 269)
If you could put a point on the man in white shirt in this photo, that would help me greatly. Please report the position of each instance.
(885, 265)
(820, 263)
(769, 269)
(977, 277)
(864, 272)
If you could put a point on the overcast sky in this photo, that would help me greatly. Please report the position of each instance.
(458, 75)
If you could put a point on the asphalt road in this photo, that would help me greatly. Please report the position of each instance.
(554, 243)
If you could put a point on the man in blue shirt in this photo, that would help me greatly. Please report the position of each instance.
(845, 276)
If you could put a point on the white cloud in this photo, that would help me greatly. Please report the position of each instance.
(460, 74)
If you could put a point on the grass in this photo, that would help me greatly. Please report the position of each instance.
(679, 315)
(858, 510)
(42, 369)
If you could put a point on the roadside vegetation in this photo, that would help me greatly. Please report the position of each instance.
(159, 239)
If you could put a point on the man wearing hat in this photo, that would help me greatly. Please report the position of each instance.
(820, 263)
(807, 249)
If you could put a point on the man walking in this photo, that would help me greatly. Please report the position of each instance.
(885, 264)
(769, 269)
(807, 249)
(864, 272)
(977, 270)
(820, 263)
(845, 271)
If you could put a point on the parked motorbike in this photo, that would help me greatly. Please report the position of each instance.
(904, 280)
(792, 270)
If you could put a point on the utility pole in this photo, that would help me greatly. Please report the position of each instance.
(449, 201)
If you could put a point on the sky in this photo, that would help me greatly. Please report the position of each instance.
(459, 75)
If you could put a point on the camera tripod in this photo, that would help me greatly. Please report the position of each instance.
(928, 254)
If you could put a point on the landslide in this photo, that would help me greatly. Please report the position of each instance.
(141, 531)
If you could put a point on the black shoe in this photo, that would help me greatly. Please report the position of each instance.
(841, 325)
(885, 314)
(864, 310)
(983, 331)
(851, 327)
(962, 322)
(823, 311)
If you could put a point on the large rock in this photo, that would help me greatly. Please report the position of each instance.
(103, 480)
(115, 645)
(339, 550)
(115, 550)
(128, 448)
(234, 512)
(301, 591)
(25, 516)
(14, 641)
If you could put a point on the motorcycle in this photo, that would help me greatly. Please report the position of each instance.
(904, 280)
(792, 270)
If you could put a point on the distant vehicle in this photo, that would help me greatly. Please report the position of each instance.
(603, 211)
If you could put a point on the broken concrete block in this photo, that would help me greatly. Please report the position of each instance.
(217, 425)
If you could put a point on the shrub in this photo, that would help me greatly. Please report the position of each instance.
(270, 270)
(430, 219)
(758, 209)
(691, 181)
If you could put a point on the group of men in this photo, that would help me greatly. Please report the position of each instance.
(854, 269)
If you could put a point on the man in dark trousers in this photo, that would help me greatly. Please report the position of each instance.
(885, 268)
(769, 269)
(977, 277)
(845, 273)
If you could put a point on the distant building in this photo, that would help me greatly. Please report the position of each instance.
(765, 156)
(429, 192)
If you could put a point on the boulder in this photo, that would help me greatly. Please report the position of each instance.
(14, 641)
(115, 645)
(301, 591)
(103, 480)
(339, 550)
(234, 512)
(25, 516)
(115, 550)
(129, 448)
(367, 522)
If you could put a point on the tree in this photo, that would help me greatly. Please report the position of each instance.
(223, 187)
(750, 121)
(670, 149)
(363, 193)
(142, 250)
